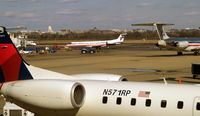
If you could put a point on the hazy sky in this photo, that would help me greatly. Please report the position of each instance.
(103, 14)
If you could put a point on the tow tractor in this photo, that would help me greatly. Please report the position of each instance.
(88, 50)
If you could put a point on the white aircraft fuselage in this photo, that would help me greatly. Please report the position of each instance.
(103, 98)
(117, 41)
(176, 44)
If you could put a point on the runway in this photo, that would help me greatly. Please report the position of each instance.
(131, 60)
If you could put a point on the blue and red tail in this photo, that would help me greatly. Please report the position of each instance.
(12, 66)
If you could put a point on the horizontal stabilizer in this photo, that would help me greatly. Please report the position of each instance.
(152, 24)
(159, 28)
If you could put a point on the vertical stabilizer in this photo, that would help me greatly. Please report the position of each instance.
(12, 66)
(121, 37)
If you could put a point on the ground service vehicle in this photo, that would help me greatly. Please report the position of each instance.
(13, 110)
(88, 50)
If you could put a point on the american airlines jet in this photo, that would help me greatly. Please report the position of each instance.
(177, 44)
(48, 93)
(97, 44)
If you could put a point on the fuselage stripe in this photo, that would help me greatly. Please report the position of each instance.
(85, 45)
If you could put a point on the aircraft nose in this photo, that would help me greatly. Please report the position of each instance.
(161, 43)
(157, 44)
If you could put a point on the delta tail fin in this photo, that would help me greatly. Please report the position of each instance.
(12, 65)
(159, 28)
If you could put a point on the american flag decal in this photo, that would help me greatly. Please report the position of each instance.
(143, 93)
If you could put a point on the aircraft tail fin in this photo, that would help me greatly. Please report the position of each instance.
(12, 65)
(121, 37)
(159, 28)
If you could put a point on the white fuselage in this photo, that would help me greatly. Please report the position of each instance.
(119, 40)
(93, 105)
(179, 45)
(104, 98)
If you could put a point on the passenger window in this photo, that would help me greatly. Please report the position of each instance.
(148, 102)
(133, 101)
(104, 100)
(180, 105)
(198, 106)
(163, 104)
(119, 100)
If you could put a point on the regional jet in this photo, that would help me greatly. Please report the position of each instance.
(48, 93)
(97, 44)
(177, 44)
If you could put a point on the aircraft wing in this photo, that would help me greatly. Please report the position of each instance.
(18, 28)
(151, 24)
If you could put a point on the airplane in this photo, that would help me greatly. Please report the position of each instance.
(21, 42)
(97, 44)
(48, 93)
(176, 44)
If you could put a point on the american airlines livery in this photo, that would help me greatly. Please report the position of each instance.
(177, 44)
(97, 44)
(47, 93)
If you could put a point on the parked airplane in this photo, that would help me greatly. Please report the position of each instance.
(97, 44)
(48, 93)
(178, 44)
(21, 42)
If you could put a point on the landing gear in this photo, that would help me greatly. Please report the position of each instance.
(98, 48)
(194, 76)
(179, 53)
(196, 53)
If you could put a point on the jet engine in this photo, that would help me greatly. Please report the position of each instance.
(99, 76)
(161, 43)
(182, 44)
(45, 94)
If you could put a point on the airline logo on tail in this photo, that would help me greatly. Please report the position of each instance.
(120, 38)
(12, 67)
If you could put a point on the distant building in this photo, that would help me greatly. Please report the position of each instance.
(140, 30)
(127, 31)
(79, 31)
(107, 32)
(65, 31)
(50, 30)
(116, 30)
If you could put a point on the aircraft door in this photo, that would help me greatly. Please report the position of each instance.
(196, 106)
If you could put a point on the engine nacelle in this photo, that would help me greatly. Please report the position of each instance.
(161, 43)
(182, 44)
(99, 76)
(45, 94)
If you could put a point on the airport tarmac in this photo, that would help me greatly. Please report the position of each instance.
(137, 62)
